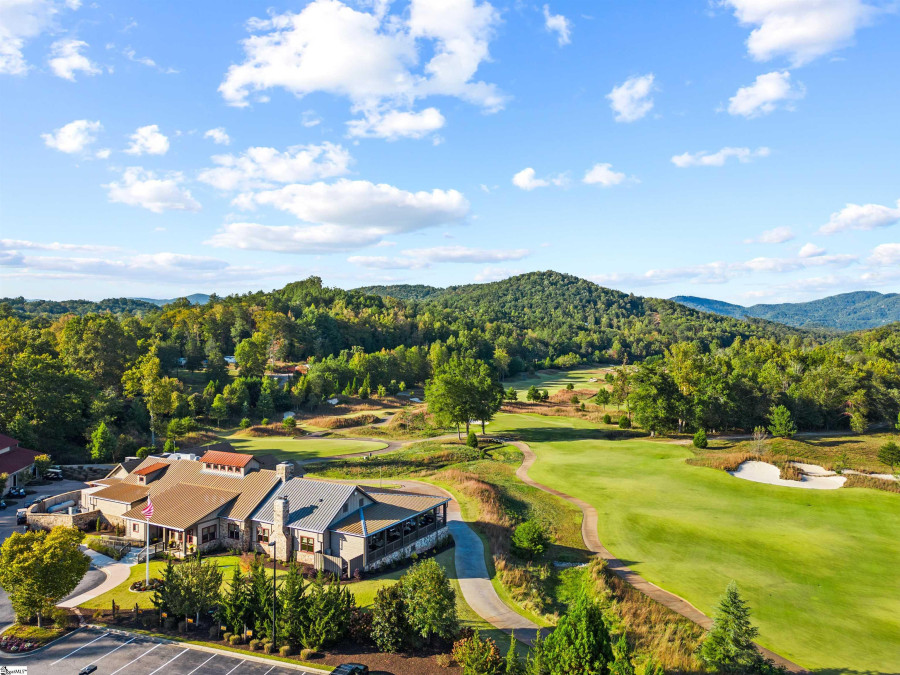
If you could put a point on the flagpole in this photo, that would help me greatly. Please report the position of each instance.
(147, 553)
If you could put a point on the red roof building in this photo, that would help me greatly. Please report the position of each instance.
(15, 461)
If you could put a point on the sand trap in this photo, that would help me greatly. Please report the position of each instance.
(816, 470)
(762, 472)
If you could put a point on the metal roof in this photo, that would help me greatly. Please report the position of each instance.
(127, 493)
(181, 506)
(389, 509)
(152, 468)
(313, 504)
(226, 458)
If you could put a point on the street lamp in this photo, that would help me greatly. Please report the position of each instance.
(274, 575)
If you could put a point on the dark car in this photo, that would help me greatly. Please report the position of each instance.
(87, 670)
(351, 669)
(17, 492)
(21, 517)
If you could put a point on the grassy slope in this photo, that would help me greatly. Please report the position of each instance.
(818, 567)
(554, 380)
(301, 448)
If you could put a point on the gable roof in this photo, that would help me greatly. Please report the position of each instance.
(313, 504)
(389, 509)
(16, 458)
(7, 441)
(251, 488)
(150, 468)
(181, 506)
(128, 493)
(226, 458)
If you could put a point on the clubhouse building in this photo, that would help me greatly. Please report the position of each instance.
(226, 499)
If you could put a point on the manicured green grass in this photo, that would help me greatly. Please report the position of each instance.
(301, 448)
(47, 633)
(818, 567)
(554, 380)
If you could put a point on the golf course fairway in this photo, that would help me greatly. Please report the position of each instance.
(818, 567)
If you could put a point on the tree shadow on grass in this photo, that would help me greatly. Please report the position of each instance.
(558, 434)
(849, 671)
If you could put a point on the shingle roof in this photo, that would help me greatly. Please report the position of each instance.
(16, 459)
(128, 493)
(181, 506)
(7, 441)
(150, 468)
(253, 487)
(226, 458)
(389, 509)
(313, 504)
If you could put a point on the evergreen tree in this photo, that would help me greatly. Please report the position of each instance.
(622, 663)
(781, 423)
(430, 601)
(536, 661)
(700, 440)
(580, 643)
(260, 600)
(292, 607)
(328, 610)
(103, 443)
(235, 606)
(513, 664)
(889, 454)
(728, 647)
(390, 629)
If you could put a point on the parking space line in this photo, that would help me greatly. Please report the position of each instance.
(114, 650)
(170, 661)
(269, 670)
(79, 649)
(160, 644)
(203, 664)
(236, 667)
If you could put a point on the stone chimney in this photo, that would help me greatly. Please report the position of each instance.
(284, 471)
(280, 534)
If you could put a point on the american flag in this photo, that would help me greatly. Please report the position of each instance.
(147, 511)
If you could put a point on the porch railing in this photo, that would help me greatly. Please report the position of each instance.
(404, 541)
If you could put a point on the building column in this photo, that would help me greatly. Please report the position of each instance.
(280, 533)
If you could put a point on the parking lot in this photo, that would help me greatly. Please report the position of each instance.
(131, 655)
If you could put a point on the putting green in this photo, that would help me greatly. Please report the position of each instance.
(818, 567)
(302, 448)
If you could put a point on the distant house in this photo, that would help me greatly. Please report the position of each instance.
(17, 462)
(230, 499)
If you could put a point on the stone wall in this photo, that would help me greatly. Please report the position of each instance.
(423, 544)
(38, 518)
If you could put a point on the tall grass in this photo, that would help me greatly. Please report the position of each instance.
(855, 480)
(727, 461)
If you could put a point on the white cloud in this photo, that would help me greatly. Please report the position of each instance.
(371, 58)
(260, 167)
(395, 124)
(425, 257)
(148, 140)
(294, 238)
(23, 244)
(142, 188)
(309, 119)
(67, 59)
(21, 21)
(765, 95)
(885, 254)
(777, 235)
(603, 175)
(861, 217)
(73, 137)
(495, 274)
(218, 136)
(103, 153)
(803, 30)
(357, 203)
(557, 23)
(632, 99)
(526, 180)
(703, 158)
(131, 55)
(810, 250)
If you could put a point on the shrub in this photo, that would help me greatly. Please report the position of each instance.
(430, 601)
(530, 537)
(254, 645)
(234, 640)
(477, 656)
(700, 440)
(307, 654)
(268, 647)
(607, 419)
(472, 440)
(284, 651)
(171, 622)
(60, 617)
(624, 422)
(98, 615)
(289, 424)
(360, 625)
(389, 628)
(444, 660)
(244, 423)
(226, 636)
(575, 400)
(264, 421)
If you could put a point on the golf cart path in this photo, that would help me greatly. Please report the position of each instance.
(116, 573)
(592, 542)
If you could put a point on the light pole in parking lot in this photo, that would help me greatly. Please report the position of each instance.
(274, 575)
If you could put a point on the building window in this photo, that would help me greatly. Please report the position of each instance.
(262, 535)
(234, 532)
(307, 544)
(134, 527)
(208, 534)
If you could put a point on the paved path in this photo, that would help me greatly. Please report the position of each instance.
(116, 572)
(593, 543)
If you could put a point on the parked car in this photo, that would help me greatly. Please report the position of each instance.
(21, 517)
(351, 669)
(87, 670)
(2, 504)
(53, 474)
(17, 492)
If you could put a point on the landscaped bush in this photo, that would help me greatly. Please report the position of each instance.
(234, 640)
(284, 651)
(95, 545)
(624, 422)
(142, 586)
(607, 419)
(700, 440)
(254, 645)
(477, 656)
(307, 654)
(472, 440)
(268, 647)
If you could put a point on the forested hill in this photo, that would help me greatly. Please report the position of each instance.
(193, 298)
(118, 306)
(402, 291)
(847, 311)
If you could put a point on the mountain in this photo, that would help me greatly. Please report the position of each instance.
(402, 291)
(81, 307)
(848, 311)
(194, 299)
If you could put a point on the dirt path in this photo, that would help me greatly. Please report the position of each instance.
(592, 541)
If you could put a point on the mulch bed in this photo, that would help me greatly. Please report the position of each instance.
(421, 663)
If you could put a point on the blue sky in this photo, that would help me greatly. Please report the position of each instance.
(745, 150)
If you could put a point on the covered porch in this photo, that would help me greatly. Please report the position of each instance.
(398, 536)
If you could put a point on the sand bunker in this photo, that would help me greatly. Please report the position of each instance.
(762, 472)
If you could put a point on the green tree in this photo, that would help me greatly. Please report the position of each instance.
(328, 609)
(251, 356)
(700, 439)
(40, 568)
(511, 394)
(430, 601)
(99, 345)
(478, 656)
(219, 409)
(536, 661)
(289, 424)
(234, 609)
(200, 581)
(655, 398)
(144, 379)
(580, 642)
(889, 454)
(102, 444)
(781, 423)
(531, 538)
(622, 663)
(728, 647)
(41, 464)
(462, 391)
(533, 394)
(292, 605)
(513, 664)
(260, 599)
(390, 629)
(472, 440)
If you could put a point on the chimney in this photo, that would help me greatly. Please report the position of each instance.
(284, 471)
(280, 518)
